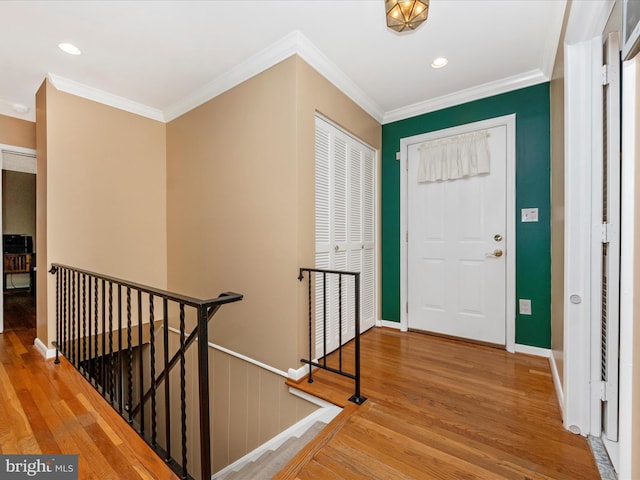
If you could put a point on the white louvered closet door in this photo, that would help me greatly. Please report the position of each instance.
(345, 233)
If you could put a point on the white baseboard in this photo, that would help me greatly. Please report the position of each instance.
(388, 324)
(557, 383)
(47, 353)
(298, 374)
(324, 415)
(536, 351)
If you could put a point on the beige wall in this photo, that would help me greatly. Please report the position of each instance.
(316, 94)
(17, 132)
(252, 405)
(105, 191)
(19, 203)
(240, 210)
(42, 323)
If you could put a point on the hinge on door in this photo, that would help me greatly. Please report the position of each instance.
(406, 236)
(605, 75)
(397, 155)
(406, 307)
(605, 233)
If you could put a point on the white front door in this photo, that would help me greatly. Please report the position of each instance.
(458, 245)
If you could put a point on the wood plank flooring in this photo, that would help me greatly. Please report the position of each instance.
(48, 408)
(443, 409)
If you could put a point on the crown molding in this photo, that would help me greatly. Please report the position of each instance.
(106, 98)
(323, 65)
(504, 85)
(261, 61)
(294, 43)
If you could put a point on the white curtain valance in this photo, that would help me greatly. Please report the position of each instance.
(454, 157)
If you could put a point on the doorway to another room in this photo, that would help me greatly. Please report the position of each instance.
(18, 216)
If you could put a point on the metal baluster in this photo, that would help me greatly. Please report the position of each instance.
(91, 358)
(152, 365)
(130, 366)
(84, 321)
(73, 318)
(95, 324)
(77, 325)
(110, 374)
(120, 376)
(65, 314)
(167, 396)
(141, 363)
(58, 313)
(183, 389)
(357, 398)
(310, 380)
(324, 317)
(103, 363)
(339, 321)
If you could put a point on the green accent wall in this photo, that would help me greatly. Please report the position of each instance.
(533, 240)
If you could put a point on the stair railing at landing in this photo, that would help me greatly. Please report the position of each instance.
(118, 352)
(332, 304)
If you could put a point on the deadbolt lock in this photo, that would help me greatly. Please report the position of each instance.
(497, 237)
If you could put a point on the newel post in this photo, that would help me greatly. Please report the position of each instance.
(203, 389)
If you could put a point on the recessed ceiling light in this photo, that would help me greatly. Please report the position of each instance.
(19, 108)
(69, 48)
(439, 62)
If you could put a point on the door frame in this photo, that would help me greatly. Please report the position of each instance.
(10, 149)
(509, 121)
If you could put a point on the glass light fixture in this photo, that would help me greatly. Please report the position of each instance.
(406, 14)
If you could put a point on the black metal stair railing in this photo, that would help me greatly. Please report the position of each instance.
(327, 282)
(118, 353)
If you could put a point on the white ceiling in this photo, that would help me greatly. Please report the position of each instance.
(161, 58)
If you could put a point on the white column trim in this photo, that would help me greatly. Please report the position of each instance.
(630, 88)
(581, 107)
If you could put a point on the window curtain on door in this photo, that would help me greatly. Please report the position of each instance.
(454, 157)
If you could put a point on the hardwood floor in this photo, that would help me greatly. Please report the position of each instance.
(48, 408)
(442, 409)
(436, 409)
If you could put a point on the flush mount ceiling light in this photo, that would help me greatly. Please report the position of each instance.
(69, 48)
(405, 15)
(439, 62)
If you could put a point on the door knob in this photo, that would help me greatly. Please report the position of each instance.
(496, 253)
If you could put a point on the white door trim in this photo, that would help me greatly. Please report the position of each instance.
(510, 241)
(628, 253)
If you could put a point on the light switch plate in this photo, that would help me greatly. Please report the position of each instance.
(529, 214)
(524, 305)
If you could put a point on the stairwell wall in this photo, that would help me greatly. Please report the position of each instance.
(101, 194)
